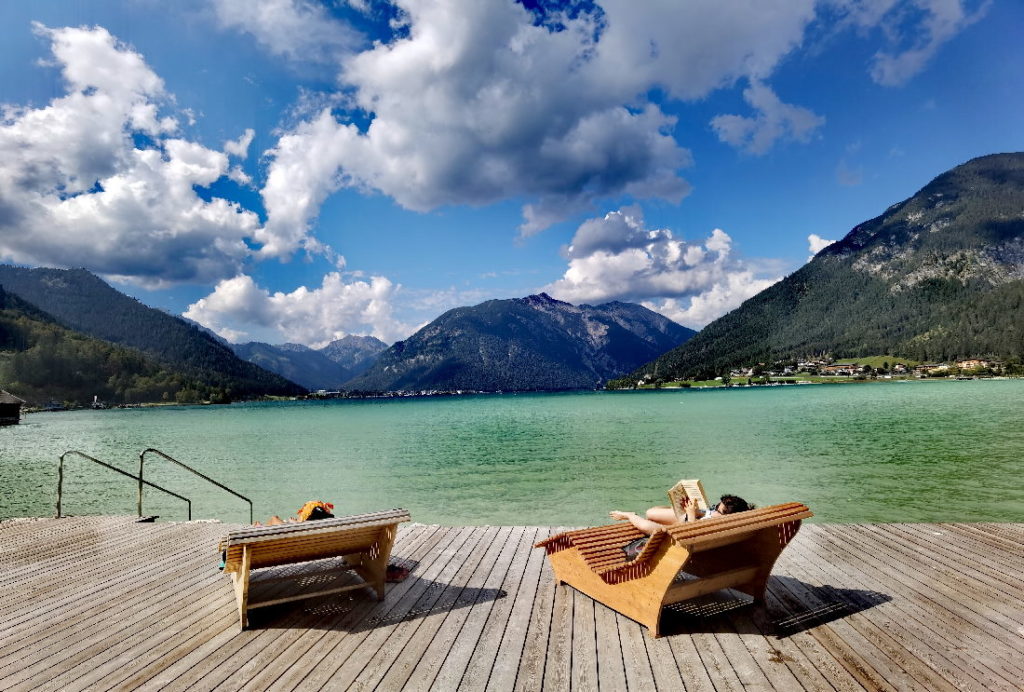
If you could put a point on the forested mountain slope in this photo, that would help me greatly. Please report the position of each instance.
(43, 362)
(936, 277)
(83, 302)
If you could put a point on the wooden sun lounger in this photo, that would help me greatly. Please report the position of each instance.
(364, 540)
(679, 562)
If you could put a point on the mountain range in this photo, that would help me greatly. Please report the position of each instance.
(326, 368)
(523, 344)
(936, 277)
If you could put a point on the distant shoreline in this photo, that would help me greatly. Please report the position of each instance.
(703, 386)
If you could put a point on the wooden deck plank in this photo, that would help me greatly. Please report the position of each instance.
(222, 665)
(968, 599)
(772, 670)
(420, 674)
(375, 640)
(784, 651)
(667, 674)
(935, 613)
(742, 661)
(802, 606)
(16, 533)
(353, 653)
(481, 664)
(1000, 536)
(82, 640)
(333, 648)
(1014, 532)
(1003, 576)
(368, 662)
(107, 603)
(611, 659)
(513, 640)
(704, 647)
(39, 567)
(530, 674)
(88, 649)
(90, 596)
(584, 640)
(409, 540)
(885, 654)
(558, 664)
(40, 571)
(637, 667)
(792, 638)
(449, 675)
(414, 641)
(893, 620)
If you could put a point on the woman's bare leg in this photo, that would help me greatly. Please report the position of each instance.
(639, 522)
(662, 515)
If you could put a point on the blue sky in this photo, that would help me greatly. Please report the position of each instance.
(287, 170)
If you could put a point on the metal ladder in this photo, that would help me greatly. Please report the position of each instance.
(141, 481)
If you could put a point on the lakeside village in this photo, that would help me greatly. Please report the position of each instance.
(826, 370)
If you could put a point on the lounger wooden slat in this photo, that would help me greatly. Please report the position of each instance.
(364, 540)
(734, 551)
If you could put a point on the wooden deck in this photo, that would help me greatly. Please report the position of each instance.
(97, 603)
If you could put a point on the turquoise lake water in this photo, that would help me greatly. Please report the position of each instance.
(913, 451)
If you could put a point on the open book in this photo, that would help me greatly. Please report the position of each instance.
(687, 489)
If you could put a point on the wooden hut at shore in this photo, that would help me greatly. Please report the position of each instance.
(10, 408)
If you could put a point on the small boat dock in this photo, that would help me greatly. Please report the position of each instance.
(101, 603)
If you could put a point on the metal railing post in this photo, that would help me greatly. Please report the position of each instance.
(142, 461)
(60, 481)
(140, 485)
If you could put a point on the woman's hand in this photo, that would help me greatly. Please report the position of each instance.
(689, 506)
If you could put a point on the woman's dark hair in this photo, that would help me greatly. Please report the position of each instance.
(732, 504)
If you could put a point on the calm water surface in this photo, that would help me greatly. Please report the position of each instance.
(916, 451)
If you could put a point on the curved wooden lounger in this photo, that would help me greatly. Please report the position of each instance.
(732, 551)
(364, 540)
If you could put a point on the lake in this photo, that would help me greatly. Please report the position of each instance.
(897, 451)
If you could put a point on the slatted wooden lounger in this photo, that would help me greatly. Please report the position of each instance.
(364, 540)
(733, 551)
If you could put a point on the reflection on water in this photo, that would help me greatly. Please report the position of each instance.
(920, 451)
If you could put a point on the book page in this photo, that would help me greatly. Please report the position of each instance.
(692, 489)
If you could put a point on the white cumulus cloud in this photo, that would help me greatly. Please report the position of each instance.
(476, 104)
(76, 190)
(471, 102)
(774, 120)
(478, 101)
(299, 30)
(238, 309)
(815, 244)
(240, 147)
(618, 258)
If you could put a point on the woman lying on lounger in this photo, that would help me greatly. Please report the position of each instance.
(660, 517)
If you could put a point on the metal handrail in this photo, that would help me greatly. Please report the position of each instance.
(60, 481)
(142, 461)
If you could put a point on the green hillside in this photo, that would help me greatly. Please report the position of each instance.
(82, 302)
(936, 277)
(42, 361)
